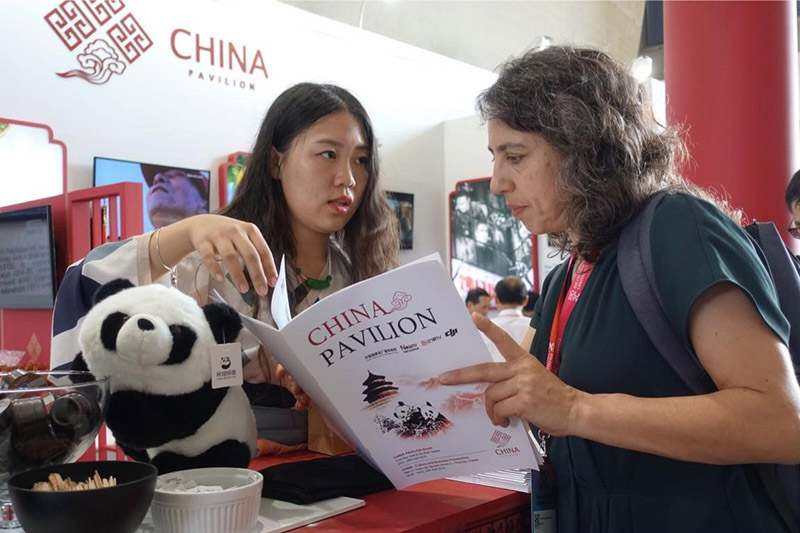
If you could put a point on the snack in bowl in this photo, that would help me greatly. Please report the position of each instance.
(116, 509)
(46, 418)
(229, 501)
(56, 483)
(47, 421)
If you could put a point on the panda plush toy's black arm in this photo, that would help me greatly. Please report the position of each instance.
(142, 420)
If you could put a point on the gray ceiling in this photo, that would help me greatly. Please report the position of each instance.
(485, 33)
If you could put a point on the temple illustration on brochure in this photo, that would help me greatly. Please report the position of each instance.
(378, 390)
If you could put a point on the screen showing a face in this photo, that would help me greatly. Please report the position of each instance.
(169, 193)
(27, 253)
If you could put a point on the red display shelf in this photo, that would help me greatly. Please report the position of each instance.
(88, 227)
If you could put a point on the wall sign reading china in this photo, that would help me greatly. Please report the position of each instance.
(217, 53)
(107, 39)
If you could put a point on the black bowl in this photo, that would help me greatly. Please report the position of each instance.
(118, 509)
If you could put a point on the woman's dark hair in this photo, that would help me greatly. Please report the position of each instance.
(598, 118)
(793, 191)
(370, 238)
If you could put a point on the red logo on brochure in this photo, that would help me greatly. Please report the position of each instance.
(106, 37)
(400, 301)
(500, 438)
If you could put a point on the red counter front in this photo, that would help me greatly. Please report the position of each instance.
(436, 506)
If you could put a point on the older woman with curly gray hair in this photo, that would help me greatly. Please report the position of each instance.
(577, 154)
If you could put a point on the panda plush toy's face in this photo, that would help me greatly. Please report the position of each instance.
(151, 339)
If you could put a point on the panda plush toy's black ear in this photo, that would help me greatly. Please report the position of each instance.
(224, 321)
(112, 287)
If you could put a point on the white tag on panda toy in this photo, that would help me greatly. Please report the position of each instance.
(226, 365)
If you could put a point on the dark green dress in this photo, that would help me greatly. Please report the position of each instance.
(605, 350)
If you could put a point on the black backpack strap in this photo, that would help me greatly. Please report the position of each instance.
(635, 263)
(779, 482)
(785, 271)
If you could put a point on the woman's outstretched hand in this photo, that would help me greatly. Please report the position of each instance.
(220, 237)
(521, 386)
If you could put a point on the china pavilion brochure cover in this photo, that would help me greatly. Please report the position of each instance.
(368, 357)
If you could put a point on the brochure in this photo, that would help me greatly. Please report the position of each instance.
(516, 479)
(368, 357)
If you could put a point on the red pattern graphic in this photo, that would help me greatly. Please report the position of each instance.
(130, 38)
(103, 10)
(500, 438)
(100, 61)
(70, 23)
(463, 402)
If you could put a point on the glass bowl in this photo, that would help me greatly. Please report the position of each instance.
(46, 419)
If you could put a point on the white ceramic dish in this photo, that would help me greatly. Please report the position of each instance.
(231, 510)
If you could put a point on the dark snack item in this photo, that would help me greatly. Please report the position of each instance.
(74, 415)
(5, 416)
(32, 437)
(20, 379)
(5, 434)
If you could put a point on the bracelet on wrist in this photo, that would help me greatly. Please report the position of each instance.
(173, 274)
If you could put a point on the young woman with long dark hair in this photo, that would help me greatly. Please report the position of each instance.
(310, 192)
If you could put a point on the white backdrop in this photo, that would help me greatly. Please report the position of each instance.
(159, 110)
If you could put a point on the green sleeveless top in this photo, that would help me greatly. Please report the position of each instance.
(605, 350)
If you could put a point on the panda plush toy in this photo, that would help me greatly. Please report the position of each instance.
(154, 342)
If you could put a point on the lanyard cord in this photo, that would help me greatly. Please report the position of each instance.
(568, 298)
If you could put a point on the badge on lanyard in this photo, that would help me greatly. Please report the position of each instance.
(544, 493)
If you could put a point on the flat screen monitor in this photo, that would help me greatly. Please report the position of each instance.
(27, 259)
(169, 193)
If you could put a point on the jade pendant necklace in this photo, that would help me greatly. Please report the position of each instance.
(313, 283)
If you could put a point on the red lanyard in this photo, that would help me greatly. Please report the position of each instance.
(566, 303)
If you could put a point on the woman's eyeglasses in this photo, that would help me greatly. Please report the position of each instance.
(794, 230)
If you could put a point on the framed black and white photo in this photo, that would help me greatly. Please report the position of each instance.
(486, 242)
(403, 206)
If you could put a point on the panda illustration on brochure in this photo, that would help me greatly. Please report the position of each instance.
(154, 342)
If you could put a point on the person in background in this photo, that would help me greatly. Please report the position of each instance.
(793, 204)
(511, 295)
(577, 154)
(527, 309)
(478, 301)
(174, 194)
(311, 192)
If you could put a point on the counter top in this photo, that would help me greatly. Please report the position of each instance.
(433, 506)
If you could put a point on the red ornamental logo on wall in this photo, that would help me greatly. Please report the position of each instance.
(107, 37)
